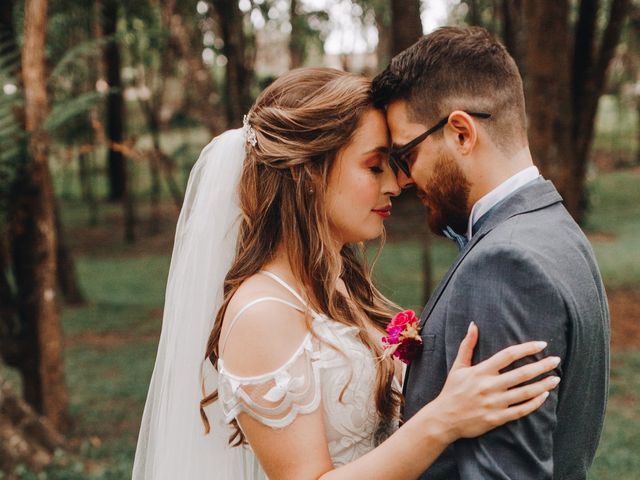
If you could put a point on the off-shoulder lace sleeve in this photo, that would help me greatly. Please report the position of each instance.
(275, 398)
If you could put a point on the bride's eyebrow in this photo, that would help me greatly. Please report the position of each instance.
(381, 150)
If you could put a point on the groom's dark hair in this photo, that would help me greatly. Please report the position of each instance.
(456, 68)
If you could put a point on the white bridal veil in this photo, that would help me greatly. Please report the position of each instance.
(172, 444)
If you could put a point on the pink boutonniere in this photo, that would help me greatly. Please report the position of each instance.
(403, 340)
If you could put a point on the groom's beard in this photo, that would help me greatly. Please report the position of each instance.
(446, 196)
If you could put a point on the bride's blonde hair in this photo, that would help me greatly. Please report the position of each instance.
(301, 121)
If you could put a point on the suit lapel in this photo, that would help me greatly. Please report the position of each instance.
(533, 196)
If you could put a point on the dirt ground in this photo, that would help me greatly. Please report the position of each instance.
(624, 306)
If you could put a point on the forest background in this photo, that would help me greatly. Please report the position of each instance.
(104, 107)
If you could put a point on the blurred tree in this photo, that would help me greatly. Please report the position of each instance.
(308, 30)
(119, 186)
(563, 49)
(382, 17)
(296, 38)
(202, 99)
(152, 56)
(34, 240)
(115, 104)
(19, 195)
(239, 67)
(562, 101)
(13, 155)
(406, 28)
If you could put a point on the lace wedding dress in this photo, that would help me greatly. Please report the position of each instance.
(314, 375)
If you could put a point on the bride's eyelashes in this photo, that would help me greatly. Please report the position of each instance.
(375, 165)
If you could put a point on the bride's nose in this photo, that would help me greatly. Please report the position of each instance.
(390, 184)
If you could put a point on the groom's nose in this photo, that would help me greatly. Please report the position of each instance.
(403, 180)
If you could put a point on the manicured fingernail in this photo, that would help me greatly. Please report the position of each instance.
(545, 395)
(541, 345)
(554, 360)
(555, 380)
(470, 325)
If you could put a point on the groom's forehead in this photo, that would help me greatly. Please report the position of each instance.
(401, 127)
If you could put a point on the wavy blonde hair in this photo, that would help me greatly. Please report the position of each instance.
(301, 121)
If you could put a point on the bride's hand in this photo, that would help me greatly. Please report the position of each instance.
(476, 399)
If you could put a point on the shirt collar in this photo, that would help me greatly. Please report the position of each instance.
(502, 191)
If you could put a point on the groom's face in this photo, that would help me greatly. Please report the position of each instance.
(439, 181)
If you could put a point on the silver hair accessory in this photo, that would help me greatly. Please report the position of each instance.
(249, 132)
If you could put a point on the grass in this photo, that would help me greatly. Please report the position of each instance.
(615, 198)
(111, 342)
(617, 457)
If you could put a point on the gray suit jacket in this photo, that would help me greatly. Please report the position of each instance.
(529, 273)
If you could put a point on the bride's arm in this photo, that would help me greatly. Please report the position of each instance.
(474, 400)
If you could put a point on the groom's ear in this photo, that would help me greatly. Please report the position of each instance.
(461, 132)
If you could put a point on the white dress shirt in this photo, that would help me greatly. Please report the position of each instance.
(499, 193)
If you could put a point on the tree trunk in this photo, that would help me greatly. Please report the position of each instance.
(202, 98)
(25, 437)
(382, 14)
(85, 172)
(238, 79)
(562, 102)
(129, 204)
(586, 107)
(12, 349)
(116, 166)
(6, 24)
(296, 42)
(154, 194)
(405, 24)
(34, 245)
(638, 129)
(66, 268)
(514, 33)
(548, 89)
(406, 28)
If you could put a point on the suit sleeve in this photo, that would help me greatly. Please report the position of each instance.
(512, 300)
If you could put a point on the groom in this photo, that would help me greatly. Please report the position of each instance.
(455, 108)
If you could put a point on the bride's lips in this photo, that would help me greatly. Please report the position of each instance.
(384, 212)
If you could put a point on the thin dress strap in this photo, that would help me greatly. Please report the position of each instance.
(251, 304)
(284, 284)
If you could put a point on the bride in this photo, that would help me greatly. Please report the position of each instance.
(268, 264)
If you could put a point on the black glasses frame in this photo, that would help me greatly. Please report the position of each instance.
(397, 157)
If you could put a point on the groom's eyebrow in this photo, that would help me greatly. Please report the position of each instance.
(396, 146)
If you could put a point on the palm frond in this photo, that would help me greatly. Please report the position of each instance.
(78, 54)
(63, 111)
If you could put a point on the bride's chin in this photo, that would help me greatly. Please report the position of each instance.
(372, 236)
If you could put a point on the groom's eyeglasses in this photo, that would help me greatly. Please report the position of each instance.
(398, 156)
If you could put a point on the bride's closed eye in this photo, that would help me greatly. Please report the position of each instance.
(375, 165)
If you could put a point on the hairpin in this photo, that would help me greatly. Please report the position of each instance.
(249, 132)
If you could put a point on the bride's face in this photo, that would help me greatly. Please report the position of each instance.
(361, 183)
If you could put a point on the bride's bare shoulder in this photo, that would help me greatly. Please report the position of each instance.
(270, 330)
